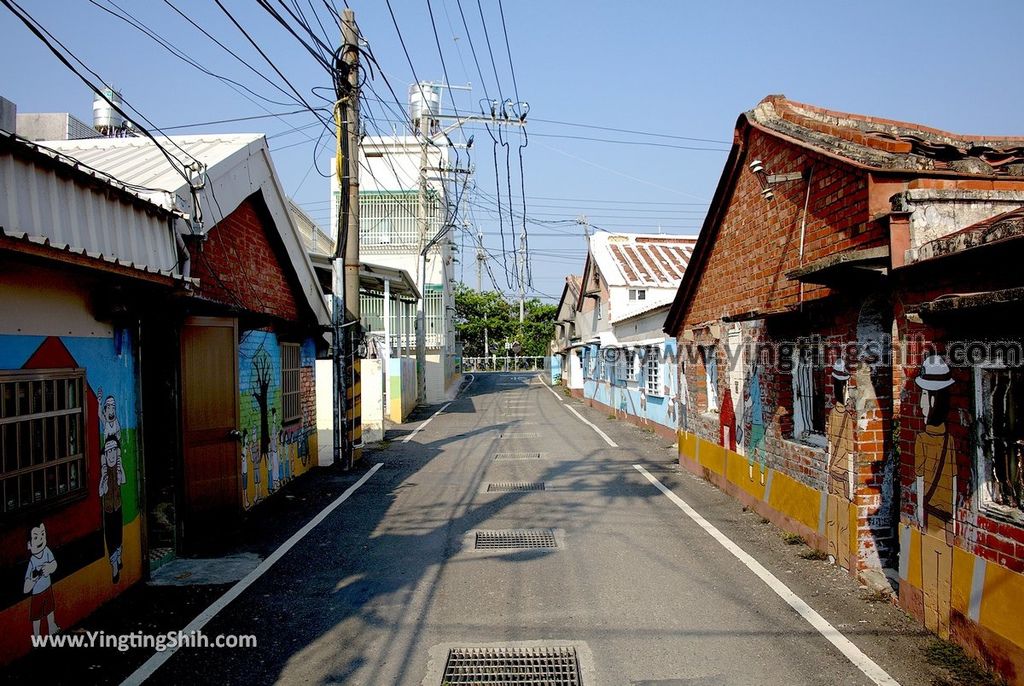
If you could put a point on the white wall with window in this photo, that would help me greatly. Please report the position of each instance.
(652, 370)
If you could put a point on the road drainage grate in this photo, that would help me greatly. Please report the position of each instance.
(495, 539)
(510, 486)
(547, 666)
(517, 456)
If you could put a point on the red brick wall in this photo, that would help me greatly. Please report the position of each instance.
(238, 264)
(759, 240)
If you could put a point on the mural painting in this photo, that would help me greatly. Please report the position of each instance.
(935, 470)
(842, 467)
(112, 477)
(84, 492)
(273, 451)
(41, 566)
(753, 420)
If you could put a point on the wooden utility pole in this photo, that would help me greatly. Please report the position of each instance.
(346, 312)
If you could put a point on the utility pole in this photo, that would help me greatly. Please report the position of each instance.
(345, 311)
(480, 257)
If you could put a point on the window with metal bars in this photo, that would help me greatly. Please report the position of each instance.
(42, 438)
(709, 354)
(393, 219)
(291, 390)
(808, 398)
(999, 397)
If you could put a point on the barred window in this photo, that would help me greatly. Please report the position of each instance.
(42, 436)
(1000, 408)
(709, 355)
(291, 395)
(808, 398)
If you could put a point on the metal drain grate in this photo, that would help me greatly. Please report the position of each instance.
(495, 539)
(510, 486)
(545, 666)
(517, 456)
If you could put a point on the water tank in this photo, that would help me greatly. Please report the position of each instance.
(424, 97)
(105, 118)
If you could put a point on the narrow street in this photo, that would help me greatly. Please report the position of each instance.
(390, 579)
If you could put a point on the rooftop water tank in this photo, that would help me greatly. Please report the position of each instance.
(105, 118)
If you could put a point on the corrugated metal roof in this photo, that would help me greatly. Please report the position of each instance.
(138, 162)
(48, 200)
(647, 260)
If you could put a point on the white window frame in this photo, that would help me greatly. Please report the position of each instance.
(986, 501)
(652, 371)
(638, 294)
(710, 377)
(803, 385)
(630, 364)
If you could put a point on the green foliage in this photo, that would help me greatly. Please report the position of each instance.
(475, 312)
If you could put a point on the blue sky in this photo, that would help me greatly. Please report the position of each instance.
(683, 69)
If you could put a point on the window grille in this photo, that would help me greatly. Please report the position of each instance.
(653, 365)
(291, 390)
(42, 436)
(1000, 400)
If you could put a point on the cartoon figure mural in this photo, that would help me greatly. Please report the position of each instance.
(112, 477)
(842, 467)
(935, 469)
(41, 566)
(754, 419)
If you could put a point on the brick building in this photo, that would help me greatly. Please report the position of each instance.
(157, 358)
(845, 265)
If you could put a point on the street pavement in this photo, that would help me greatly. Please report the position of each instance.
(389, 579)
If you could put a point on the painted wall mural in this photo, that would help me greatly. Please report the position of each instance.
(273, 451)
(841, 472)
(72, 539)
(935, 470)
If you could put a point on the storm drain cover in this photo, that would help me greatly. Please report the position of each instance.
(517, 456)
(495, 539)
(547, 666)
(510, 486)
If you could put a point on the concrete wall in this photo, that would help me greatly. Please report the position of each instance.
(401, 388)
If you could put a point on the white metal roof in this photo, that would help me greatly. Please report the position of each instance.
(236, 166)
(47, 199)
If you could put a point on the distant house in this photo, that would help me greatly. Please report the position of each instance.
(156, 373)
(850, 330)
(626, 362)
(564, 365)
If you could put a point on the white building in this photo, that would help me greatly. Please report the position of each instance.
(391, 234)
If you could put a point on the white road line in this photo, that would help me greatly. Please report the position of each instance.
(429, 419)
(600, 433)
(154, 663)
(833, 635)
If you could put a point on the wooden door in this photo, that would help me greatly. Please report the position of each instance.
(209, 381)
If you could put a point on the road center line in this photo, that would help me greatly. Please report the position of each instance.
(154, 663)
(429, 419)
(833, 635)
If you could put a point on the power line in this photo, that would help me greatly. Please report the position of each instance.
(632, 131)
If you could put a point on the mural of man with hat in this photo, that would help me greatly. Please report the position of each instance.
(841, 467)
(935, 468)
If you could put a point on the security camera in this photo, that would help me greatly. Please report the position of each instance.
(757, 166)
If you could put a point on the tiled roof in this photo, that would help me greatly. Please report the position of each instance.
(890, 145)
(652, 260)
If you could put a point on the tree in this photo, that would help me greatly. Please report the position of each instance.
(476, 312)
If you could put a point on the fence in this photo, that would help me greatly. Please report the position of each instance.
(503, 364)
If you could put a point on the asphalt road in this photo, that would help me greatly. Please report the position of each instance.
(389, 578)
